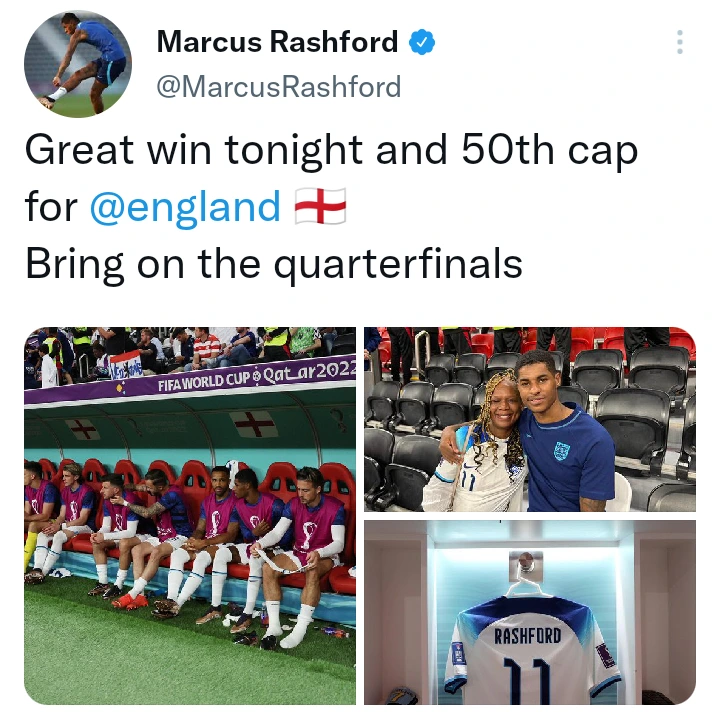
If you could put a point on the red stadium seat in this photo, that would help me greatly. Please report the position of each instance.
(127, 469)
(599, 334)
(93, 471)
(342, 486)
(196, 485)
(613, 331)
(49, 471)
(341, 581)
(483, 344)
(167, 469)
(582, 340)
(280, 480)
(384, 354)
(678, 337)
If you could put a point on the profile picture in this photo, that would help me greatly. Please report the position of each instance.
(77, 64)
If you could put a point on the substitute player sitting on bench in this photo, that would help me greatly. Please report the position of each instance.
(318, 522)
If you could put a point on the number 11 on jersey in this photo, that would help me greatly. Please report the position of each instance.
(515, 673)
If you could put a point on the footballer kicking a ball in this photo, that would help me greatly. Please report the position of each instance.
(104, 70)
(318, 522)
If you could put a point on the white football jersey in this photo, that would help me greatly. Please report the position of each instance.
(528, 651)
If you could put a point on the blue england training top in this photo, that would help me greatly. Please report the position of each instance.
(102, 39)
(572, 458)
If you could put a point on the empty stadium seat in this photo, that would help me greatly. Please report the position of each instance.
(93, 471)
(638, 421)
(280, 480)
(501, 362)
(615, 341)
(680, 337)
(483, 344)
(574, 394)
(470, 369)
(195, 482)
(344, 345)
(662, 368)
(377, 450)
(559, 359)
(686, 462)
(582, 339)
(672, 498)
(381, 403)
(623, 496)
(129, 472)
(477, 402)
(439, 369)
(413, 406)
(48, 469)
(450, 405)
(598, 369)
(384, 354)
(414, 462)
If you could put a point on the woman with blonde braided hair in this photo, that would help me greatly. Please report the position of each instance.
(493, 470)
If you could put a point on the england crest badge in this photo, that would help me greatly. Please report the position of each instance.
(561, 451)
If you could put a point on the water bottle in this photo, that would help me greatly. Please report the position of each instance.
(264, 619)
(335, 632)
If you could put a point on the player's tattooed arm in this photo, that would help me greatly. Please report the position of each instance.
(146, 512)
(77, 37)
(592, 505)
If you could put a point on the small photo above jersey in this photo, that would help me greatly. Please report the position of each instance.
(77, 64)
(583, 419)
(555, 613)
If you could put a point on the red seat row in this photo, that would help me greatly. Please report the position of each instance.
(195, 481)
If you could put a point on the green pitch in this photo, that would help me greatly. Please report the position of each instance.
(79, 106)
(169, 662)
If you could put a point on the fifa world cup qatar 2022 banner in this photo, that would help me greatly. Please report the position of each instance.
(333, 370)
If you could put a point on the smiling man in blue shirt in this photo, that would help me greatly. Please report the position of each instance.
(105, 69)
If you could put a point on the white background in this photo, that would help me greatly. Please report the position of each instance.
(597, 247)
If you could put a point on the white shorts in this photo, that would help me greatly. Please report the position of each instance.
(176, 542)
(293, 557)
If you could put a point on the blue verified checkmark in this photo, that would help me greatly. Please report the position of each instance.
(422, 42)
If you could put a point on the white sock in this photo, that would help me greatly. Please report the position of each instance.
(298, 632)
(219, 573)
(178, 559)
(102, 573)
(138, 588)
(41, 550)
(253, 584)
(57, 94)
(121, 576)
(52, 556)
(274, 627)
(202, 561)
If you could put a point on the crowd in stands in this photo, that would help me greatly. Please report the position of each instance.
(80, 354)
(397, 344)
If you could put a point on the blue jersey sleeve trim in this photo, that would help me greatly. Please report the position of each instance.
(442, 479)
(453, 684)
(605, 683)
